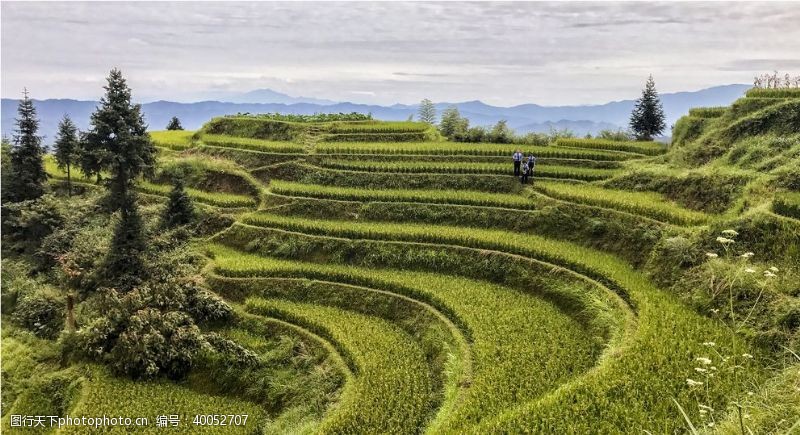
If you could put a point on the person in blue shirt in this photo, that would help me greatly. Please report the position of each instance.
(517, 162)
(531, 164)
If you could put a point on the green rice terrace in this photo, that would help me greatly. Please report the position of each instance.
(363, 276)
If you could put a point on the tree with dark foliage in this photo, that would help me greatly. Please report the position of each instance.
(28, 179)
(67, 148)
(118, 140)
(647, 119)
(174, 124)
(180, 210)
(124, 264)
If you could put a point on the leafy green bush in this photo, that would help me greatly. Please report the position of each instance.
(41, 312)
(27, 223)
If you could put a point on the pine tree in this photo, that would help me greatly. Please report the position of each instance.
(427, 112)
(174, 124)
(66, 150)
(118, 141)
(179, 210)
(28, 179)
(124, 266)
(647, 119)
(452, 124)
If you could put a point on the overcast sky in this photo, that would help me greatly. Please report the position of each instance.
(500, 53)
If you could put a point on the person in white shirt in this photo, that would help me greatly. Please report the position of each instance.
(517, 162)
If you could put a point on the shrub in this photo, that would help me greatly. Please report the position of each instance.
(27, 223)
(42, 312)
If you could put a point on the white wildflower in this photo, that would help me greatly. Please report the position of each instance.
(774, 269)
(693, 383)
(769, 274)
(730, 233)
(714, 310)
(713, 368)
(747, 255)
(747, 355)
(724, 240)
(709, 344)
(711, 424)
(711, 255)
(750, 393)
(700, 370)
(750, 270)
(706, 407)
(703, 360)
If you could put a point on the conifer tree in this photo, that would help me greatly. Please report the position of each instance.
(28, 179)
(647, 118)
(179, 210)
(124, 263)
(118, 141)
(174, 124)
(66, 148)
(427, 112)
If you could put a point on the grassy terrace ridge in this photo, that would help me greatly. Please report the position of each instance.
(455, 148)
(177, 140)
(465, 197)
(506, 350)
(391, 391)
(412, 167)
(218, 199)
(641, 400)
(377, 159)
(377, 126)
(649, 204)
(644, 148)
(220, 140)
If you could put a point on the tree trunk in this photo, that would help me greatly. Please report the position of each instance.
(69, 182)
(71, 312)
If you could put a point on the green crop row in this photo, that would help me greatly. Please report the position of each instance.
(102, 391)
(507, 348)
(378, 127)
(404, 195)
(646, 148)
(454, 149)
(452, 167)
(377, 159)
(177, 140)
(787, 204)
(391, 392)
(773, 93)
(708, 112)
(220, 140)
(376, 136)
(308, 174)
(211, 198)
(648, 204)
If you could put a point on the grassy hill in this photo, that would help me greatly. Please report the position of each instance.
(393, 282)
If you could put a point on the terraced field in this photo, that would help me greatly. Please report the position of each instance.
(462, 301)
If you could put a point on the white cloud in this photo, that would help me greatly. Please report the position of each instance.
(502, 53)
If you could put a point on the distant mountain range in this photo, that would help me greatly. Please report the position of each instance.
(522, 118)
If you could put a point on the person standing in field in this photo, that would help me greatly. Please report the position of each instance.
(524, 173)
(517, 162)
(531, 165)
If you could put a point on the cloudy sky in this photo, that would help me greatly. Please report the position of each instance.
(500, 53)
